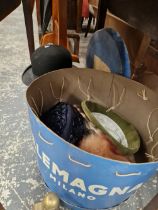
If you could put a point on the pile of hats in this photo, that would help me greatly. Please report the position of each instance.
(67, 121)
(106, 51)
(94, 129)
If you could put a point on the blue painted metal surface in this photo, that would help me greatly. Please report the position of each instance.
(83, 179)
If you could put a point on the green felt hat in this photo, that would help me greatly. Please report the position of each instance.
(119, 131)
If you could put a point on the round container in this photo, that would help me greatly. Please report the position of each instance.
(80, 178)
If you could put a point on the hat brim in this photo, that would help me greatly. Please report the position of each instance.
(28, 76)
(128, 129)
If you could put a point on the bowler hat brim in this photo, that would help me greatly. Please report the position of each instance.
(28, 76)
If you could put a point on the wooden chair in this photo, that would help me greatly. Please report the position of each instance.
(141, 15)
(6, 7)
(28, 6)
(58, 34)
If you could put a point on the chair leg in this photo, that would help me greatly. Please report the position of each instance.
(82, 19)
(76, 39)
(102, 9)
(27, 9)
(89, 24)
(79, 18)
(39, 20)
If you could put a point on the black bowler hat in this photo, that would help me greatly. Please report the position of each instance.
(45, 59)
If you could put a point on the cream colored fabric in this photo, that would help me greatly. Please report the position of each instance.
(100, 65)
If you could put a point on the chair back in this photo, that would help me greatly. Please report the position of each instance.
(140, 14)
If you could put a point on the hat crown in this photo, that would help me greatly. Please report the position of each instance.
(50, 57)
